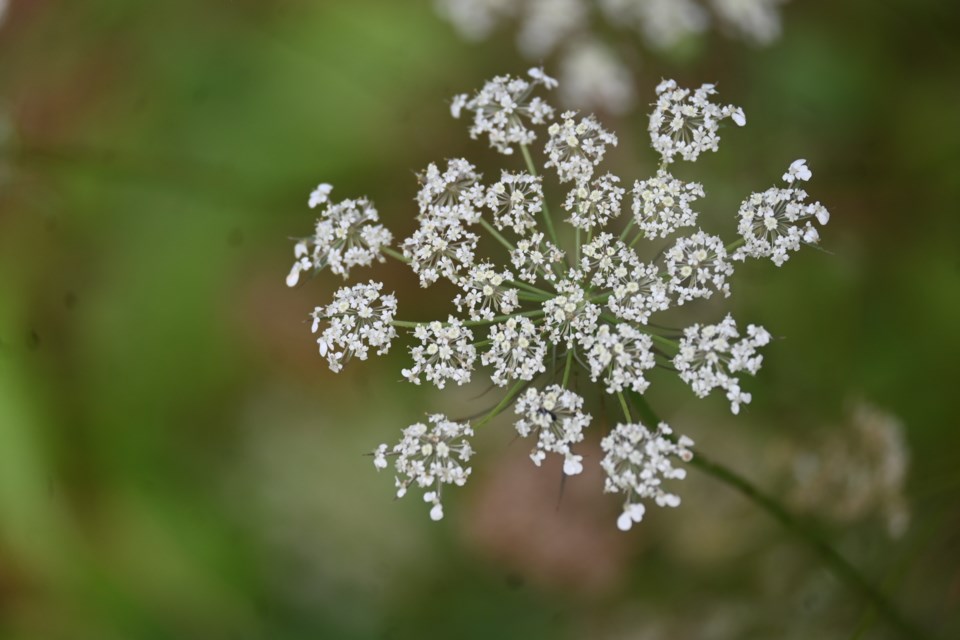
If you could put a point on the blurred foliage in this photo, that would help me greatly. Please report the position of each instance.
(175, 460)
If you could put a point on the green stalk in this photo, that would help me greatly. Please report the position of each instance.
(507, 399)
(529, 287)
(736, 243)
(623, 405)
(567, 368)
(546, 210)
(496, 234)
(396, 255)
(836, 563)
(533, 297)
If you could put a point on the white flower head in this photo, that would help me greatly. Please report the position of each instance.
(359, 318)
(536, 258)
(345, 237)
(515, 200)
(517, 351)
(440, 249)
(576, 148)
(594, 204)
(697, 266)
(622, 354)
(711, 355)
(445, 353)
(687, 123)
(608, 262)
(570, 317)
(637, 461)
(643, 294)
(554, 415)
(486, 293)
(778, 221)
(661, 205)
(454, 195)
(503, 108)
(430, 457)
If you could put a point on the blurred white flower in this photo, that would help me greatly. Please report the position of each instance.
(858, 469)
(577, 32)
(592, 77)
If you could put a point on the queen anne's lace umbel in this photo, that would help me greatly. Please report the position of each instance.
(577, 307)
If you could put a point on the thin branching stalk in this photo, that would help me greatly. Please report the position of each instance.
(837, 564)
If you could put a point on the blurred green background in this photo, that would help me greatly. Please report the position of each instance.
(176, 461)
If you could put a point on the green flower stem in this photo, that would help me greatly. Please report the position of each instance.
(533, 297)
(626, 230)
(396, 255)
(497, 235)
(529, 287)
(567, 368)
(406, 324)
(839, 566)
(736, 243)
(577, 246)
(546, 210)
(507, 400)
(623, 405)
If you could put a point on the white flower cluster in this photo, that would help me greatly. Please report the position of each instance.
(485, 293)
(624, 353)
(517, 351)
(536, 258)
(697, 265)
(503, 109)
(686, 123)
(593, 205)
(710, 355)
(637, 462)
(555, 417)
(592, 74)
(440, 249)
(430, 457)
(778, 221)
(578, 297)
(576, 148)
(515, 200)
(345, 237)
(569, 317)
(661, 205)
(358, 318)
(452, 197)
(445, 353)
